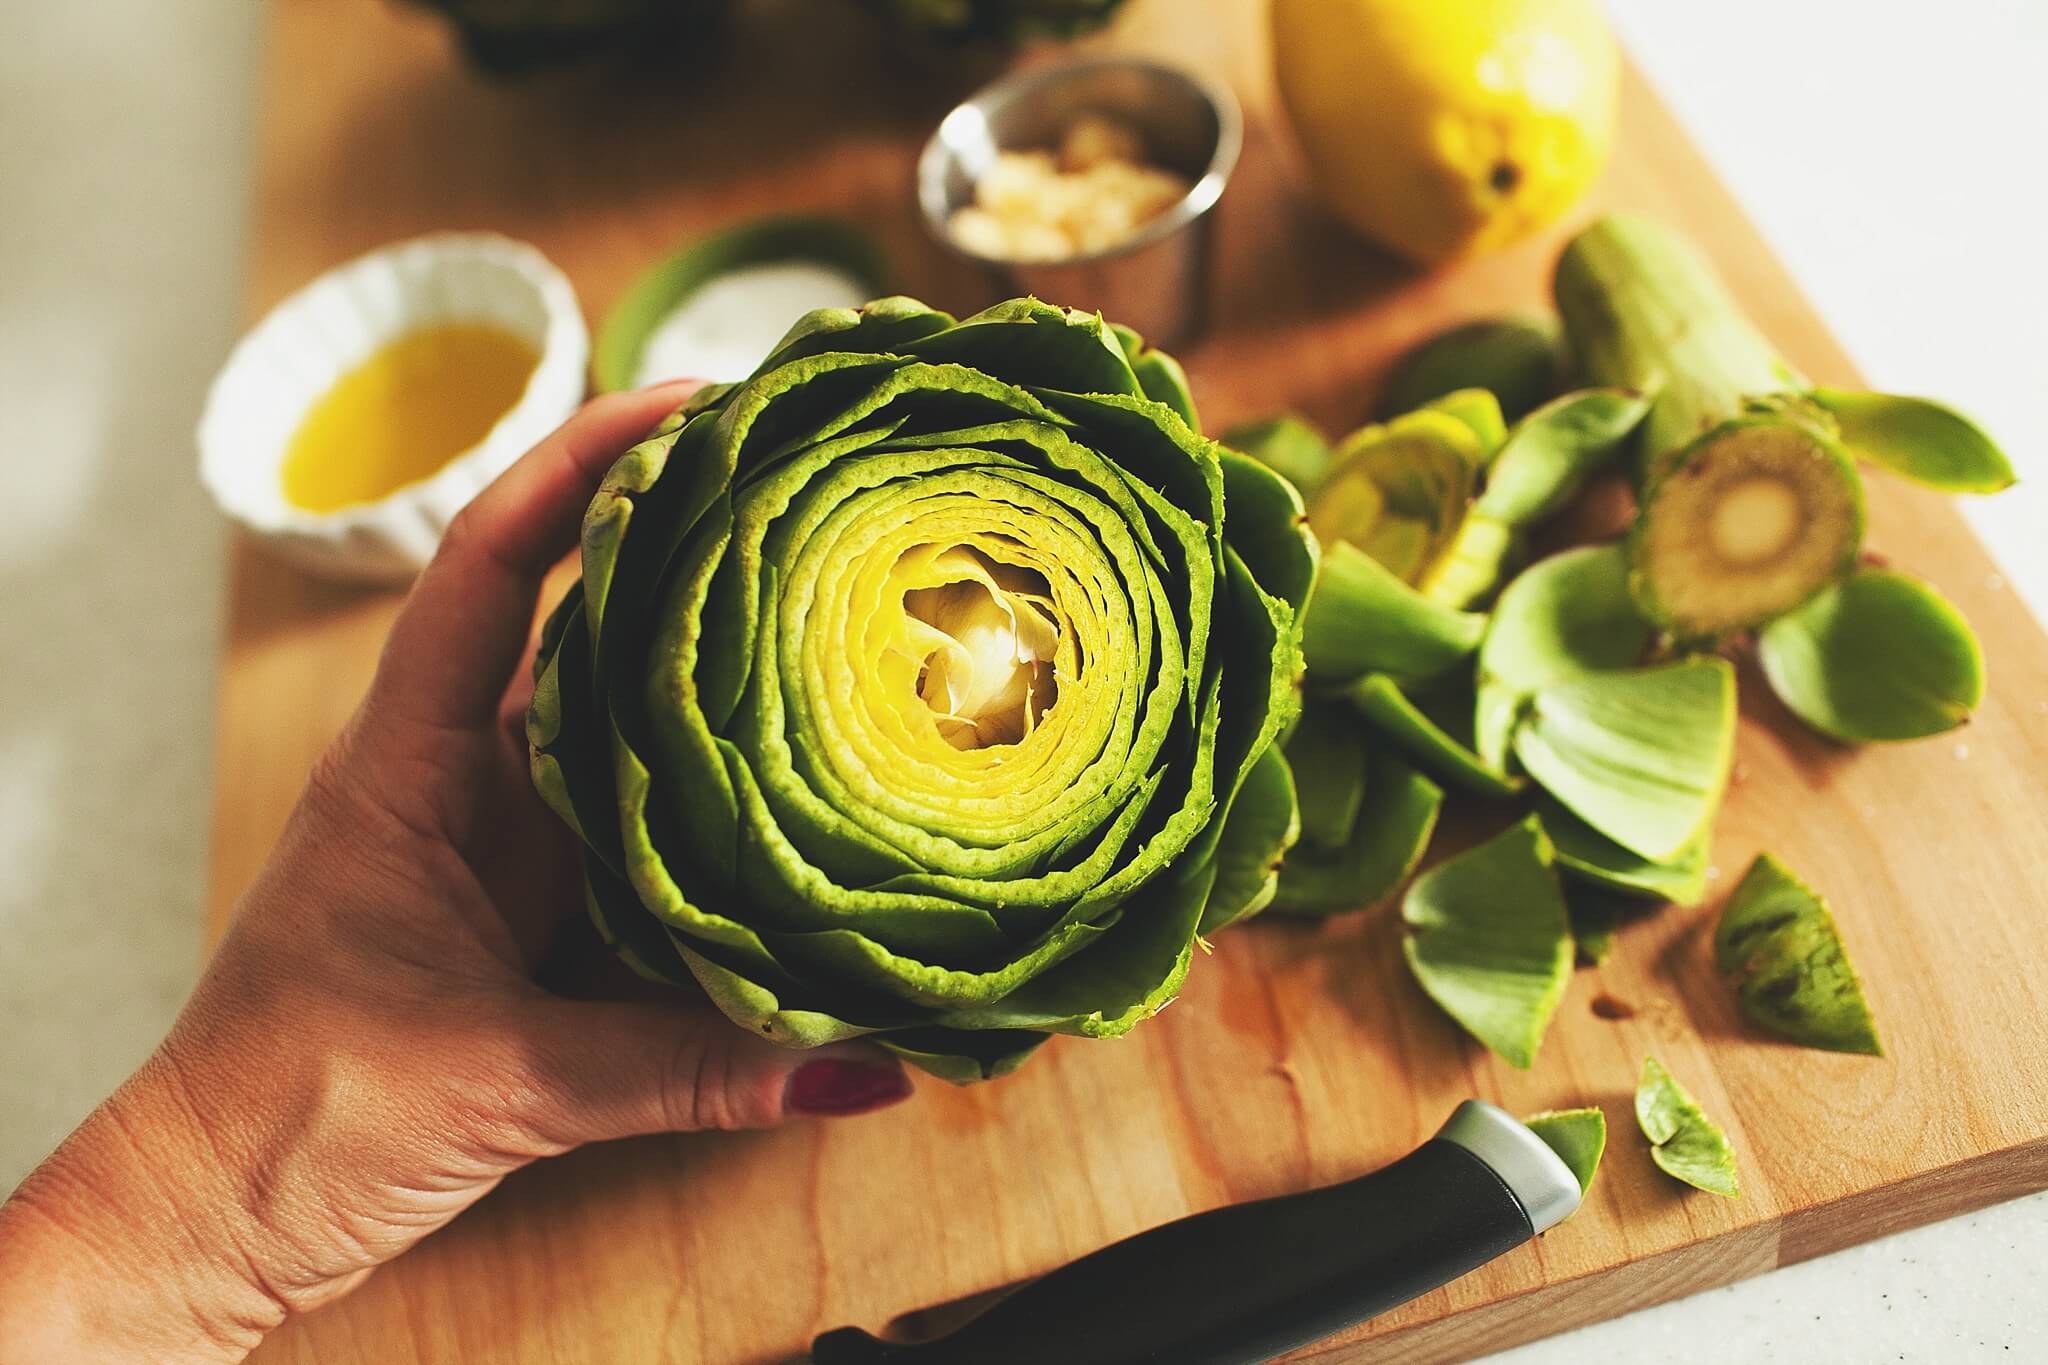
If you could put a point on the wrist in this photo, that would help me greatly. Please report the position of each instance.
(124, 1245)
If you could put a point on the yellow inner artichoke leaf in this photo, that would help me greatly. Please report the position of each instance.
(961, 664)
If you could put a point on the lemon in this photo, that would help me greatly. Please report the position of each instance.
(1446, 128)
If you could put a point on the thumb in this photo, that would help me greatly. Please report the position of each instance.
(602, 1070)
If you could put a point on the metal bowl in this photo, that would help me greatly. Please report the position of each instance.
(1157, 281)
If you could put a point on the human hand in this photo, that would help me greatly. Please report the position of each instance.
(368, 1054)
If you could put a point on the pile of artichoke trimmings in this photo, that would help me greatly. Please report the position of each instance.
(1594, 686)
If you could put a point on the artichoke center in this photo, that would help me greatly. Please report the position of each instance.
(987, 637)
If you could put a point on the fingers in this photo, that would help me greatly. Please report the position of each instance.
(598, 1071)
(469, 615)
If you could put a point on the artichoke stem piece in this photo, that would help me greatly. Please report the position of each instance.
(1743, 525)
(1643, 310)
(1749, 503)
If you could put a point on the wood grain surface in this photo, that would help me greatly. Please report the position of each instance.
(1299, 1054)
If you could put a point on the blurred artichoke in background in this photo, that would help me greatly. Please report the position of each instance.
(927, 685)
(1001, 22)
(506, 37)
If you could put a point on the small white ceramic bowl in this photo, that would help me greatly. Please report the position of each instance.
(302, 347)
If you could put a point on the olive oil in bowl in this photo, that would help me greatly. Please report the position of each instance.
(402, 414)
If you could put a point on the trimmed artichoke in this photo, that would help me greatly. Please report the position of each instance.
(926, 686)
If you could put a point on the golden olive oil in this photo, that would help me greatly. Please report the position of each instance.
(402, 414)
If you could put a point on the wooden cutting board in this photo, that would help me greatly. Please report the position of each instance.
(1299, 1054)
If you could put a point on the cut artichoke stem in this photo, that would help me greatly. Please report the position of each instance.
(1744, 525)
(1643, 310)
(1755, 520)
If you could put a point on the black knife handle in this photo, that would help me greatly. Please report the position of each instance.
(1248, 1282)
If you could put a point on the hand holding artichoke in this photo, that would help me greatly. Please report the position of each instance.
(926, 685)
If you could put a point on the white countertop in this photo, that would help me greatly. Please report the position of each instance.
(1891, 152)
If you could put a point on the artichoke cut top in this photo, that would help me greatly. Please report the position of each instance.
(982, 635)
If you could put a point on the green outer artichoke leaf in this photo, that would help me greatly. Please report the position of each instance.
(757, 1008)
(1363, 619)
(1684, 1142)
(1578, 1136)
(1288, 445)
(1492, 941)
(1777, 942)
(1566, 615)
(1397, 813)
(1033, 344)
(962, 1057)
(1135, 969)
(1877, 656)
(1587, 855)
(879, 327)
(641, 941)
(1390, 711)
(1920, 439)
(1550, 454)
(547, 715)
(1480, 411)
(1256, 625)
(1641, 754)
(1160, 376)
(1265, 523)
(1264, 822)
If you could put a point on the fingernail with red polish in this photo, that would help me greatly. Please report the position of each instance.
(836, 1086)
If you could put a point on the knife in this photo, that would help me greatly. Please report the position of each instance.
(1248, 1282)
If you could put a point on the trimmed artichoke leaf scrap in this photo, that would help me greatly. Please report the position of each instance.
(927, 686)
(1367, 816)
(1399, 491)
(1595, 918)
(1423, 725)
(1480, 412)
(1778, 945)
(1879, 656)
(1548, 455)
(1480, 555)
(1363, 619)
(1518, 360)
(1586, 855)
(1578, 1136)
(1686, 1144)
(1919, 439)
(1491, 940)
(1640, 754)
(1564, 616)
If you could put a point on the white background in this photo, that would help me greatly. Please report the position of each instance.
(1892, 151)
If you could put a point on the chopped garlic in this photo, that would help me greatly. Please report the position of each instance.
(1092, 139)
(1095, 194)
